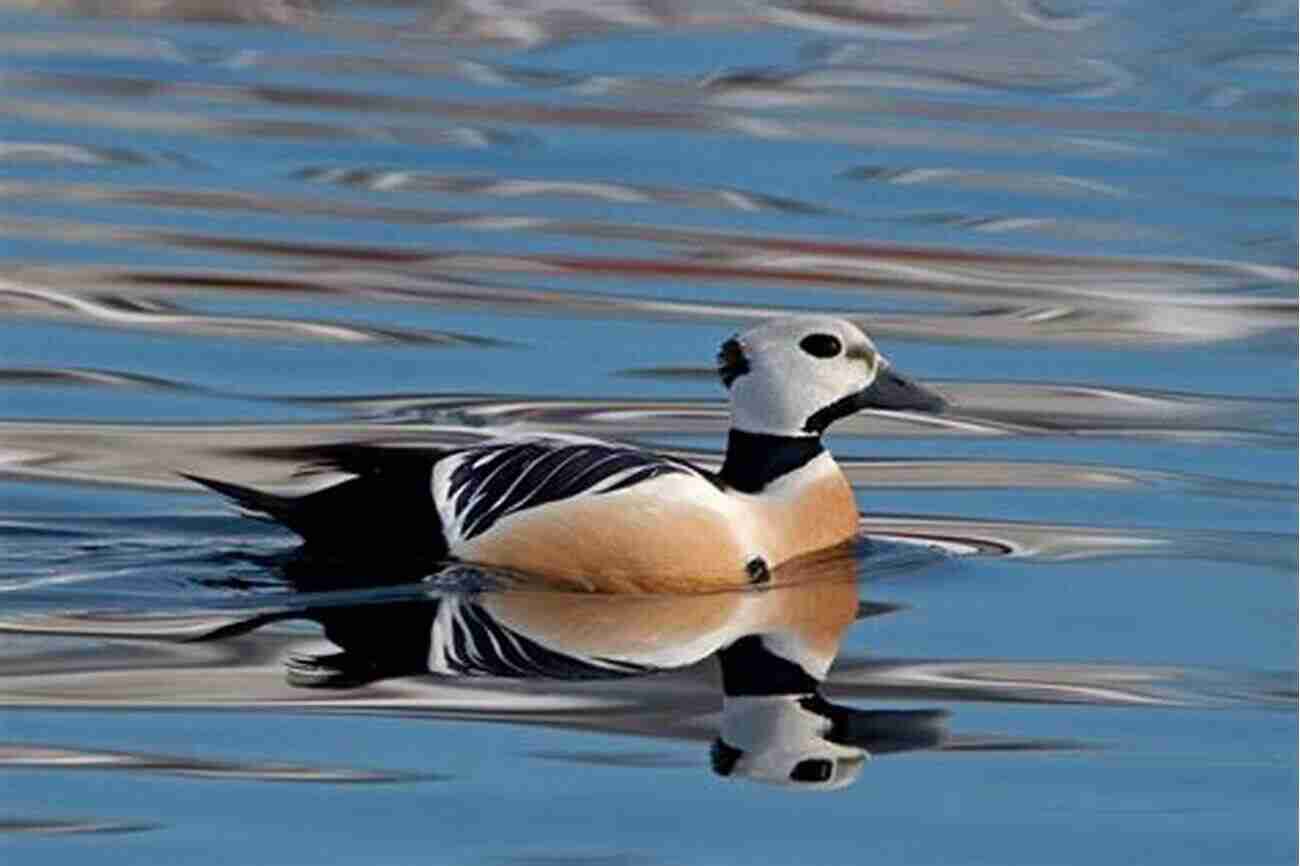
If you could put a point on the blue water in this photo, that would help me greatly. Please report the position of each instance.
(233, 230)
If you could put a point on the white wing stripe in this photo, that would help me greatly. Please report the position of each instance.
(505, 497)
(592, 468)
(542, 485)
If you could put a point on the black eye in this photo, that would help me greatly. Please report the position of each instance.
(821, 345)
(814, 770)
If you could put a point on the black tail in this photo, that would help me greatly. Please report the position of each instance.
(237, 628)
(277, 508)
(386, 512)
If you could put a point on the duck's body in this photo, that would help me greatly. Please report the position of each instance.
(613, 518)
(579, 513)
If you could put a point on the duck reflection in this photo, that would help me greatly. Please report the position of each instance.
(775, 646)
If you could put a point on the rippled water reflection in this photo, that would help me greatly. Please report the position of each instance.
(235, 235)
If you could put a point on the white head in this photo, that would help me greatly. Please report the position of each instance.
(783, 740)
(796, 375)
(808, 743)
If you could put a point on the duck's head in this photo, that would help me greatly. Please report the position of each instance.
(778, 729)
(807, 742)
(795, 376)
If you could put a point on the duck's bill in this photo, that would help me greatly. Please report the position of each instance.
(892, 390)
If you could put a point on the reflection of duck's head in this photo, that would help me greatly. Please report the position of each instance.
(806, 742)
(777, 739)
(776, 726)
(796, 375)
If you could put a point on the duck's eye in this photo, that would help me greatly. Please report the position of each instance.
(821, 345)
(814, 770)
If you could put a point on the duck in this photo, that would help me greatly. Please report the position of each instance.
(610, 517)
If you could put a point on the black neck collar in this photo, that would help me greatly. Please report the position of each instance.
(749, 668)
(755, 460)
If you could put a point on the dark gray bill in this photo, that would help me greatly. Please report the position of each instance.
(893, 390)
(890, 390)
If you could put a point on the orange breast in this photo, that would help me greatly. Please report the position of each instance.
(821, 514)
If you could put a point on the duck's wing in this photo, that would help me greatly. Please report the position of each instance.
(447, 635)
(475, 488)
(466, 640)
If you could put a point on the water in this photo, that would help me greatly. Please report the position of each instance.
(231, 232)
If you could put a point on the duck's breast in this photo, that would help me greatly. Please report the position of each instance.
(808, 510)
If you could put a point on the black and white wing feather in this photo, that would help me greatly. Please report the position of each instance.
(475, 488)
(466, 640)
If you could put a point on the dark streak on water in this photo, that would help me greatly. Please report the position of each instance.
(235, 234)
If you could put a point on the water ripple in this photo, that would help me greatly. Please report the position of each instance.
(281, 12)
(380, 180)
(1023, 183)
(1063, 683)
(69, 154)
(68, 826)
(45, 757)
(1047, 542)
(998, 297)
(122, 312)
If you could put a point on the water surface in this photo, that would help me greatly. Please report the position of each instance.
(235, 232)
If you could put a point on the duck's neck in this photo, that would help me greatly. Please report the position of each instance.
(751, 669)
(755, 460)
